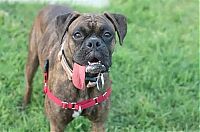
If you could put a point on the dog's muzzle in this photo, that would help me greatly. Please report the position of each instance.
(90, 75)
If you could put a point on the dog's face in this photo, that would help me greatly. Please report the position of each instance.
(91, 37)
(94, 38)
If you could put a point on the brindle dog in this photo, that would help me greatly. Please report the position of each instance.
(86, 37)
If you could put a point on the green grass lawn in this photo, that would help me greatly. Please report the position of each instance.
(155, 73)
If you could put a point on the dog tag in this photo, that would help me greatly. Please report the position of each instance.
(77, 113)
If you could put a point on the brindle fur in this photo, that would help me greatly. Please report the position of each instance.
(45, 43)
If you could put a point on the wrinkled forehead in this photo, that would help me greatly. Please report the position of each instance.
(92, 22)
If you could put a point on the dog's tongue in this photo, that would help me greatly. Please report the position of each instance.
(78, 76)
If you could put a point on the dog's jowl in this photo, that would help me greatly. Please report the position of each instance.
(75, 52)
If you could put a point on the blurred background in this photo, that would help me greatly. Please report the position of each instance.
(155, 73)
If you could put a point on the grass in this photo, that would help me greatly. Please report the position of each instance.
(155, 73)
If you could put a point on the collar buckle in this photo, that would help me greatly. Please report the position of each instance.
(96, 100)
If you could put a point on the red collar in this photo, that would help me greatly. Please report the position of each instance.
(71, 105)
(77, 105)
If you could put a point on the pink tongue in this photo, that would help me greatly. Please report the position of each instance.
(78, 76)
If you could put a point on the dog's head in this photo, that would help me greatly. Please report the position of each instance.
(90, 37)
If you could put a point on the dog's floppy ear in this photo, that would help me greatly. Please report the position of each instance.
(63, 22)
(120, 24)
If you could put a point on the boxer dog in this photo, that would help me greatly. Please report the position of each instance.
(75, 51)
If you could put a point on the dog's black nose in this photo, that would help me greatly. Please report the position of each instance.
(93, 43)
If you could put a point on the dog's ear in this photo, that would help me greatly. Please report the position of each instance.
(63, 22)
(120, 24)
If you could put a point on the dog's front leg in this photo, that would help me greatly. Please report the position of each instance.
(56, 127)
(98, 127)
(59, 121)
(58, 117)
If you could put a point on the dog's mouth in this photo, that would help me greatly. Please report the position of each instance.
(93, 60)
(93, 72)
(89, 73)
(95, 66)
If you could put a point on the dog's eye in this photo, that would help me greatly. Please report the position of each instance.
(77, 35)
(107, 34)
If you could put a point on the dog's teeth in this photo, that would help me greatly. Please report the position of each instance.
(93, 63)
